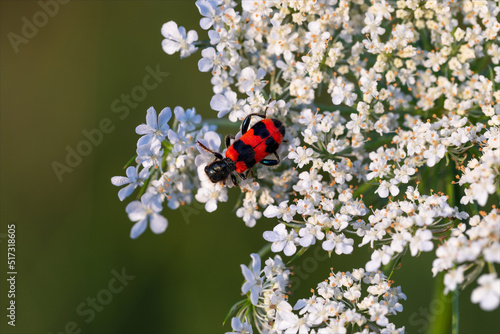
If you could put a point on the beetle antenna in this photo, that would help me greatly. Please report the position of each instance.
(217, 154)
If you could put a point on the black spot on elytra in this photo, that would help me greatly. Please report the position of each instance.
(245, 152)
(279, 126)
(281, 129)
(259, 129)
(271, 145)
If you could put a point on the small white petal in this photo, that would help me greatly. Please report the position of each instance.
(158, 223)
(270, 236)
(290, 248)
(138, 228)
(119, 180)
(211, 205)
(136, 211)
(126, 192)
(255, 262)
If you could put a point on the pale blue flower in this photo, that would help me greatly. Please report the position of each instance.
(207, 9)
(239, 327)
(180, 140)
(142, 214)
(188, 118)
(253, 281)
(159, 192)
(177, 39)
(211, 140)
(223, 103)
(132, 180)
(150, 155)
(155, 127)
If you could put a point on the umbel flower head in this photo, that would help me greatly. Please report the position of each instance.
(392, 119)
(356, 301)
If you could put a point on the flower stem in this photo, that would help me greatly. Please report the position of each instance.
(455, 313)
(264, 250)
(440, 317)
(130, 162)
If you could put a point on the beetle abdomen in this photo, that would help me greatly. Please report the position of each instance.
(256, 144)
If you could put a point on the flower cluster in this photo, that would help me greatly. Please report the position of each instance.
(265, 288)
(341, 304)
(360, 301)
(481, 174)
(392, 119)
(464, 254)
(165, 170)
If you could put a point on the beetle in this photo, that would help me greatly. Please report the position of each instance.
(255, 144)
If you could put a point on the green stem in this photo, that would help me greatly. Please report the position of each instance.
(394, 264)
(447, 320)
(130, 162)
(439, 323)
(264, 250)
(455, 313)
(144, 186)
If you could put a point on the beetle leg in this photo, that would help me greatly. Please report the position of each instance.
(234, 179)
(246, 123)
(217, 154)
(270, 162)
(245, 175)
(228, 140)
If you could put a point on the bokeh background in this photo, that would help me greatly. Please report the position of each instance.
(72, 234)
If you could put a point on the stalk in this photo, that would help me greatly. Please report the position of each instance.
(440, 322)
(455, 313)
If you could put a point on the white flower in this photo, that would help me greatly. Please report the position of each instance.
(421, 241)
(282, 239)
(497, 74)
(253, 280)
(301, 156)
(309, 234)
(154, 128)
(379, 257)
(211, 60)
(187, 119)
(150, 155)
(133, 180)
(181, 140)
(373, 25)
(385, 187)
(250, 80)
(239, 327)
(434, 154)
(249, 213)
(142, 213)
(487, 294)
(453, 278)
(339, 242)
(341, 92)
(282, 211)
(176, 39)
(357, 123)
(207, 9)
(210, 194)
(378, 314)
(211, 140)
(223, 103)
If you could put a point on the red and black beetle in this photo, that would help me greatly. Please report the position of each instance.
(255, 144)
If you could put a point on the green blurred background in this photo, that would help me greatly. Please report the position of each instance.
(72, 234)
